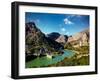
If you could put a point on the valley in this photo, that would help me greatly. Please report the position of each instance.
(55, 49)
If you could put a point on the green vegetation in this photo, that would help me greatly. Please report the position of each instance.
(72, 62)
(68, 46)
(79, 48)
(42, 51)
(81, 56)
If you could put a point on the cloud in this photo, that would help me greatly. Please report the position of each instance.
(67, 21)
(63, 29)
(67, 33)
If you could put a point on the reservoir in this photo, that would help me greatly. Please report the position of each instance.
(45, 61)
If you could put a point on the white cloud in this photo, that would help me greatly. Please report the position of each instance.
(67, 33)
(66, 21)
(63, 29)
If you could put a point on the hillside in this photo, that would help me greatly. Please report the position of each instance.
(37, 43)
(79, 39)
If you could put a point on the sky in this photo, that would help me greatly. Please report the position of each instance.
(67, 24)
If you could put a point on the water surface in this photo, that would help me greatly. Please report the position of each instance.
(45, 61)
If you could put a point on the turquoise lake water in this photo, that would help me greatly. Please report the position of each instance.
(44, 61)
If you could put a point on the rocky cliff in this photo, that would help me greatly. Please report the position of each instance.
(37, 42)
(80, 39)
(62, 39)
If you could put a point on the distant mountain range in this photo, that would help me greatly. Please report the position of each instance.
(58, 37)
(81, 38)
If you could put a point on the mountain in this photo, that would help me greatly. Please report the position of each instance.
(53, 35)
(79, 39)
(58, 37)
(37, 43)
(62, 39)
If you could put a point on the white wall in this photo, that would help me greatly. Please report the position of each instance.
(5, 38)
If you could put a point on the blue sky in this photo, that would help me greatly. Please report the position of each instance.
(67, 24)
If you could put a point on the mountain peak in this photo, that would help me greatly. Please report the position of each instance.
(53, 35)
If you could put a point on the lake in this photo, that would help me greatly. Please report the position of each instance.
(45, 61)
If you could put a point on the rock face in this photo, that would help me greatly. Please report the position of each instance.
(37, 43)
(62, 39)
(58, 37)
(80, 39)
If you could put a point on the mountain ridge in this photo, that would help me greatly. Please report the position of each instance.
(37, 43)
